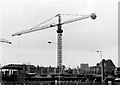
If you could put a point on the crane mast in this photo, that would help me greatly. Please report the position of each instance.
(59, 44)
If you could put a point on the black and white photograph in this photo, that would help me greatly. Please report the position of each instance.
(59, 42)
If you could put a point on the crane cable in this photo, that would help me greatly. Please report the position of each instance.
(44, 22)
(73, 14)
(54, 17)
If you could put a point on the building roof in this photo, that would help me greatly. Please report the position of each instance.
(16, 66)
(108, 63)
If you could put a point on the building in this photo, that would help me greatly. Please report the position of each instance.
(94, 70)
(108, 67)
(84, 68)
(17, 71)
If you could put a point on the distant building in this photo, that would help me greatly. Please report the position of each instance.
(20, 67)
(78, 70)
(108, 67)
(13, 71)
(117, 71)
(46, 71)
(94, 70)
(84, 68)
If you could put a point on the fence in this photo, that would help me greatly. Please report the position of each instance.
(57, 83)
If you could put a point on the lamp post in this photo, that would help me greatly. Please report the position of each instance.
(101, 66)
(0, 74)
(58, 67)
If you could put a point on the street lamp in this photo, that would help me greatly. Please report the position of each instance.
(101, 66)
(51, 42)
(59, 67)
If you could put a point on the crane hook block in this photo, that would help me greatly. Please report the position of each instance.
(93, 16)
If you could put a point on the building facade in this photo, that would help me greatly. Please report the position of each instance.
(108, 67)
(84, 68)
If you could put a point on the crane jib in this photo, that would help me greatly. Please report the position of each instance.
(36, 28)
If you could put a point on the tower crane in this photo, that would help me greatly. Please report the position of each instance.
(59, 32)
(5, 41)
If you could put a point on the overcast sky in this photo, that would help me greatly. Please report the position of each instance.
(81, 39)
